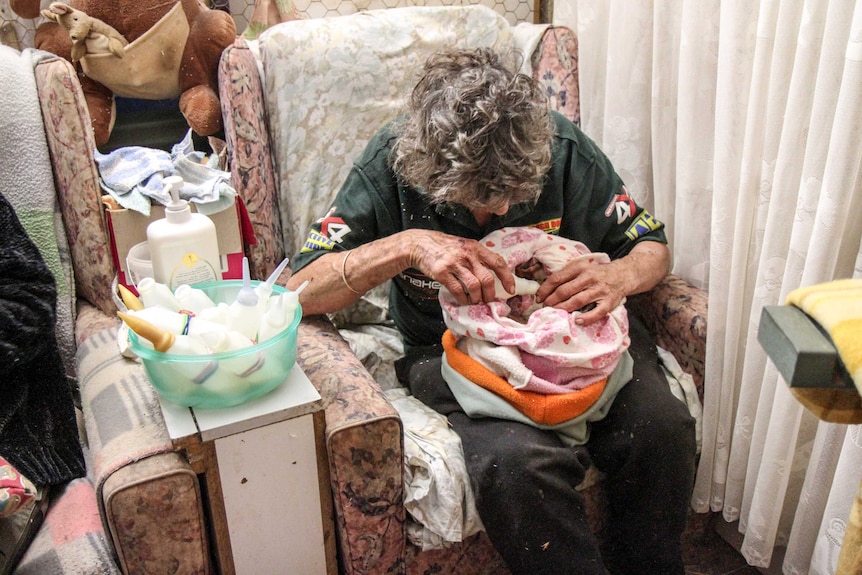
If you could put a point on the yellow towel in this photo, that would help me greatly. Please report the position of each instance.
(837, 307)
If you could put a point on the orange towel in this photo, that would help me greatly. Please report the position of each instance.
(545, 409)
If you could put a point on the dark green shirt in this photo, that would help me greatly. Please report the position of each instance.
(582, 199)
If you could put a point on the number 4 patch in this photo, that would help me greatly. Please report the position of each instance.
(333, 227)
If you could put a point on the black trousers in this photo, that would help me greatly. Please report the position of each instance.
(524, 478)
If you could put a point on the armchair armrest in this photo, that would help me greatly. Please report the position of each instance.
(676, 311)
(364, 441)
(148, 496)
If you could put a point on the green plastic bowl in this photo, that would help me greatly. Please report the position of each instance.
(222, 379)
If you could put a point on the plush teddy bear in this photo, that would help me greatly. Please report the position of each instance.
(178, 57)
(89, 35)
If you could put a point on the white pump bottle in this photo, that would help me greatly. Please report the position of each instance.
(183, 245)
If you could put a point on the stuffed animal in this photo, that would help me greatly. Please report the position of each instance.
(178, 58)
(89, 35)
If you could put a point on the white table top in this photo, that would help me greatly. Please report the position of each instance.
(295, 397)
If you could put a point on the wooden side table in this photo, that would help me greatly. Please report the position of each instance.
(265, 479)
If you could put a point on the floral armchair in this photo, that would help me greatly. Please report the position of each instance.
(139, 510)
(299, 103)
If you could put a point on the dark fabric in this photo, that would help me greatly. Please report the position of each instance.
(18, 531)
(38, 429)
(582, 199)
(525, 478)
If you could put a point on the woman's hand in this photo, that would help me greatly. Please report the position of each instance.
(464, 267)
(597, 288)
(594, 288)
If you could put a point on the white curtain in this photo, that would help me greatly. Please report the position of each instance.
(739, 122)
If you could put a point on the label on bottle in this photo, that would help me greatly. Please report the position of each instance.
(192, 269)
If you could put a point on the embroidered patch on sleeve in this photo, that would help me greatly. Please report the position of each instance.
(623, 205)
(316, 241)
(550, 226)
(333, 227)
(642, 225)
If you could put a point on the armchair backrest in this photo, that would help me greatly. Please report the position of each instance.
(330, 83)
(300, 102)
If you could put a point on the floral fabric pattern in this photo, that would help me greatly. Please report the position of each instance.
(549, 352)
(325, 103)
(71, 143)
(16, 491)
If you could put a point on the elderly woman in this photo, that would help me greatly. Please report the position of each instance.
(476, 152)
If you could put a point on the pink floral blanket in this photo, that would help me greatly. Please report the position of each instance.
(537, 348)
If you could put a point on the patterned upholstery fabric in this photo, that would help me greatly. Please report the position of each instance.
(71, 539)
(250, 161)
(148, 495)
(555, 66)
(363, 432)
(71, 144)
(140, 510)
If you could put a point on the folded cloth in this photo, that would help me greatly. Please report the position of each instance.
(204, 184)
(134, 176)
(546, 409)
(476, 401)
(837, 307)
(438, 494)
(561, 355)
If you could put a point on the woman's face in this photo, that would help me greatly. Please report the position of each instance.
(484, 215)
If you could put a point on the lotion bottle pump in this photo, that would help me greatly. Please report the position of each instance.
(183, 245)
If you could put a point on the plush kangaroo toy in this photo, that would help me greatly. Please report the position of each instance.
(178, 59)
(89, 35)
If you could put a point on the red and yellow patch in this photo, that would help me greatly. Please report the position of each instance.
(550, 226)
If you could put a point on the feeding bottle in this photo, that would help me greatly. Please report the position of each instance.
(523, 286)
(280, 314)
(183, 245)
(276, 318)
(166, 342)
(217, 314)
(242, 365)
(244, 313)
(155, 294)
(193, 299)
(130, 300)
(177, 322)
(264, 289)
(163, 340)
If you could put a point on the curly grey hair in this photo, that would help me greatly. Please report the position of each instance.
(476, 133)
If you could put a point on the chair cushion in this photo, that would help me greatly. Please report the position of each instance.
(71, 539)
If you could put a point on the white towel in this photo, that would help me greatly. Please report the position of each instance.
(526, 37)
(438, 494)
